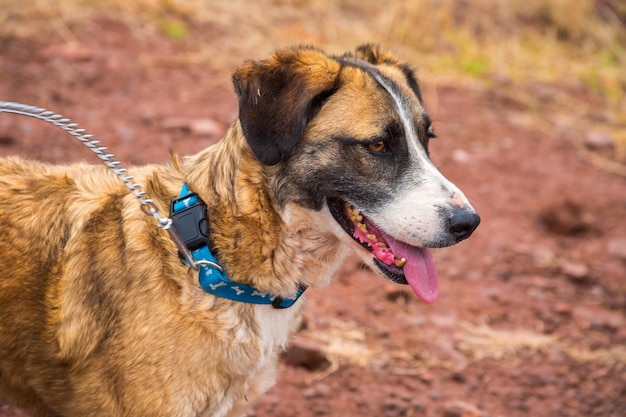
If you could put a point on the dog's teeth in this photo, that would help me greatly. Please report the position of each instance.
(363, 227)
(382, 244)
(372, 237)
(354, 214)
(400, 262)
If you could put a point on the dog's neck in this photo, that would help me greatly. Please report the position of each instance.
(261, 244)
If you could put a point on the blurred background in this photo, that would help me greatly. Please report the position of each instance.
(529, 103)
(578, 44)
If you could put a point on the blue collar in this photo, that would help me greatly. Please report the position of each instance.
(211, 275)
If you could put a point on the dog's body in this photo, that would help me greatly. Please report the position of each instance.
(98, 316)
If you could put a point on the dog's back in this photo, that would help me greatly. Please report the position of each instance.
(31, 240)
(49, 313)
(66, 286)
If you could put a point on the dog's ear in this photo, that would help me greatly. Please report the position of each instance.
(376, 55)
(279, 95)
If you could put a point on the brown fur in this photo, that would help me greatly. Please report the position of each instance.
(98, 316)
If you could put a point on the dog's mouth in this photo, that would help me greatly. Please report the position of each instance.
(396, 260)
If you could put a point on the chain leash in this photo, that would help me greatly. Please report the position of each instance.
(148, 206)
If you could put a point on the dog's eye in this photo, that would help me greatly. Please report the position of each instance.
(431, 133)
(378, 147)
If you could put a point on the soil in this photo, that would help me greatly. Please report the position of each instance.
(531, 319)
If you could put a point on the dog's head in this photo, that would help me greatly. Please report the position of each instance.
(348, 137)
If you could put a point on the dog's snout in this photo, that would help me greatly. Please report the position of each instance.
(462, 223)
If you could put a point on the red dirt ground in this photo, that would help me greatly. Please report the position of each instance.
(531, 318)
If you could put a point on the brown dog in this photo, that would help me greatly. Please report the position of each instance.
(98, 315)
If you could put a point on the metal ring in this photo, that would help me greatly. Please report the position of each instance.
(209, 263)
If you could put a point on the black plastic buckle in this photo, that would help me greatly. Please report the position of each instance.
(278, 303)
(191, 223)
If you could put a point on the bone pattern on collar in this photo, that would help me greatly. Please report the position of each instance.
(212, 277)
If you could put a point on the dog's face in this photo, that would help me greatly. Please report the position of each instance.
(348, 137)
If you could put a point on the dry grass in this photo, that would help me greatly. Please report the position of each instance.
(348, 344)
(483, 342)
(545, 39)
(574, 43)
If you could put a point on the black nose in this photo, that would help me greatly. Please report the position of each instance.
(462, 223)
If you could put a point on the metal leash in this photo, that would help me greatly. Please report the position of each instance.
(148, 206)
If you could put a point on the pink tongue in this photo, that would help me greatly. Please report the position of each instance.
(419, 270)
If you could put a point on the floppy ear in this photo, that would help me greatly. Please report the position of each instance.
(279, 95)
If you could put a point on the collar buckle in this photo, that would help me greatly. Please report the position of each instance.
(190, 223)
(190, 220)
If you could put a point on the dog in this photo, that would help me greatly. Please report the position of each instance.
(99, 315)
